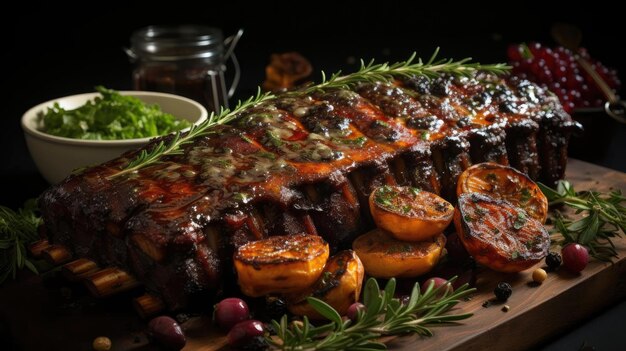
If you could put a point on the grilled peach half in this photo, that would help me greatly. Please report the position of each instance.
(383, 256)
(498, 234)
(339, 286)
(506, 183)
(280, 264)
(409, 213)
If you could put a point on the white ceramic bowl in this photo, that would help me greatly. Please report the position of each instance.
(56, 157)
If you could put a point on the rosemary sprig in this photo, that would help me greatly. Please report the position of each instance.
(385, 72)
(383, 315)
(17, 230)
(370, 72)
(603, 216)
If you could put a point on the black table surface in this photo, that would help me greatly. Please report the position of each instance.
(56, 54)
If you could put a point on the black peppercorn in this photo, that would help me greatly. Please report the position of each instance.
(275, 307)
(553, 260)
(503, 291)
(258, 343)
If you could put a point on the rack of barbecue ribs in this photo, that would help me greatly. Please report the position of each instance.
(298, 164)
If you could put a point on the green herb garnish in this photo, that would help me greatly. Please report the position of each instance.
(17, 231)
(603, 216)
(520, 220)
(110, 117)
(274, 139)
(383, 315)
(406, 209)
(385, 195)
(241, 197)
(359, 141)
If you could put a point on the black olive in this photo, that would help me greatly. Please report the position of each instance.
(503, 291)
(553, 261)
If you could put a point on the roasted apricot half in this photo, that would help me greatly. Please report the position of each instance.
(339, 286)
(499, 235)
(383, 256)
(280, 264)
(408, 213)
(507, 183)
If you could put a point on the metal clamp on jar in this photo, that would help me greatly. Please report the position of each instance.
(187, 60)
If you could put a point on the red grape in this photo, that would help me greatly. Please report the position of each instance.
(558, 70)
(353, 310)
(575, 257)
(243, 332)
(167, 333)
(437, 282)
(230, 311)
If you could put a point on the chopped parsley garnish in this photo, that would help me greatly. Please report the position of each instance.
(519, 221)
(267, 155)
(415, 191)
(385, 195)
(467, 218)
(219, 162)
(243, 197)
(481, 211)
(246, 139)
(425, 135)
(406, 209)
(274, 139)
(360, 141)
(111, 116)
(379, 123)
(515, 255)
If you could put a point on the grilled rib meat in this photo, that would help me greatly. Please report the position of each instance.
(299, 164)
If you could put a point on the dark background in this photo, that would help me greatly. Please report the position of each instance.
(51, 52)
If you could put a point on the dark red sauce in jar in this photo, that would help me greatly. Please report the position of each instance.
(186, 60)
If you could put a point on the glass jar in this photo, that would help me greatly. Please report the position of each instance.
(187, 60)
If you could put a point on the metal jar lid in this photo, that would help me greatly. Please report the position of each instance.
(173, 43)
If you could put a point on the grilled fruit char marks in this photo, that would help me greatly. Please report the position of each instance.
(300, 165)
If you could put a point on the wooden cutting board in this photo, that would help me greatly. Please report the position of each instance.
(48, 313)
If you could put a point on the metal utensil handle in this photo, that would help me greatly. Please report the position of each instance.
(232, 41)
(616, 110)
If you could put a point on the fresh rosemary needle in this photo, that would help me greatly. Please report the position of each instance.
(383, 315)
(370, 72)
(603, 216)
(17, 230)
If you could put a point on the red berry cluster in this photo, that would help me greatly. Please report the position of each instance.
(558, 70)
